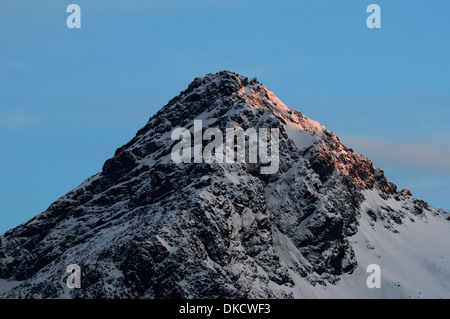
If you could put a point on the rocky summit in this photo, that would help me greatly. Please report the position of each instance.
(146, 227)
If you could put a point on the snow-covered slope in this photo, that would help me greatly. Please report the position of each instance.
(146, 227)
(413, 255)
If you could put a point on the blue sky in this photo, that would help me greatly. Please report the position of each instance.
(70, 97)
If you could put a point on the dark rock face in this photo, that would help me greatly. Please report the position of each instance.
(406, 192)
(146, 227)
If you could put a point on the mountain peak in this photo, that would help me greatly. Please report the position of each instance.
(224, 85)
(226, 99)
(224, 78)
(147, 227)
(218, 93)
